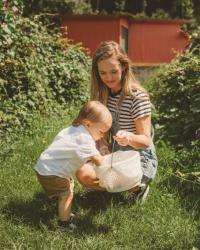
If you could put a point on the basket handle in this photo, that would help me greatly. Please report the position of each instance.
(113, 147)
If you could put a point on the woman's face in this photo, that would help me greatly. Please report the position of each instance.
(110, 72)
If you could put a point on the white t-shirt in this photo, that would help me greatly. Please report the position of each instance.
(70, 149)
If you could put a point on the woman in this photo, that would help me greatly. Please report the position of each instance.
(114, 85)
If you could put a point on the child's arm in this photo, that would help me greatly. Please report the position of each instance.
(96, 159)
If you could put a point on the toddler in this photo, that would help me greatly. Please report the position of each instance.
(69, 151)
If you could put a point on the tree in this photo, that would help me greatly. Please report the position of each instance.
(183, 9)
(57, 6)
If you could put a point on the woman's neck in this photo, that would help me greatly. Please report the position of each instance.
(116, 92)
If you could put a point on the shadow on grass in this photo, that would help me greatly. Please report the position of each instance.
(40, 211)
(98, 201)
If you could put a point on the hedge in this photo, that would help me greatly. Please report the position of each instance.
(39, 72)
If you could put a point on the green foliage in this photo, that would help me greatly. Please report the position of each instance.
(119, 5)
(188, 164)
(38, 71)
(180, 169)
(156, 9)
(15, 6)
(33, 7)
(193, 31)
(186, 9)
(160, 14)
(57, 6)
(176, 95)
(183, 9)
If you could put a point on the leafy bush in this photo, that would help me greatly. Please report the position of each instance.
(38, 71)
(176, 95)
(180, 169)
(188, 160)
(175, 91)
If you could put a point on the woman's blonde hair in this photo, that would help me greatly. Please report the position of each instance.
(99, 91)
(93, 111)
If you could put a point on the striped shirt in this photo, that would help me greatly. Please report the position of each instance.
(131, 109)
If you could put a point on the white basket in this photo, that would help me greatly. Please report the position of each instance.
(124, 174)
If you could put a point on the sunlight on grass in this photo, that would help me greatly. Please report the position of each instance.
(105, 221)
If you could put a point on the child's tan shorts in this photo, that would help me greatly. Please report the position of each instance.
(55, 186)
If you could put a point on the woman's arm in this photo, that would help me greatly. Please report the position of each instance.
(141, 139)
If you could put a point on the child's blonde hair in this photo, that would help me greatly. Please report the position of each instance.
(93, 111)
(99, 91)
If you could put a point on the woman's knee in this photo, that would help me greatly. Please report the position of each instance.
(81, 175)
(85, 176)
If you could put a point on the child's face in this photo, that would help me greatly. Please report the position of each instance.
(110, 72)
(97, 129)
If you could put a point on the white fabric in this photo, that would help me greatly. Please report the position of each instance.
(70, 149)
(125, 173)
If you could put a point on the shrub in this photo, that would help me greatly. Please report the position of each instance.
(175, 91)
(187, 168)
(176, 95)
(38, 71)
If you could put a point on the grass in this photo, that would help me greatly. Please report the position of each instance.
(168, 219)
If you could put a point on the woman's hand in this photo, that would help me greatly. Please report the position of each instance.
(123, 137)
(141, 139)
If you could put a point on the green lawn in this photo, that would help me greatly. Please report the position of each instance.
(168, 219)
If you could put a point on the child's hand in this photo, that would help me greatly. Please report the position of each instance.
(96, 160)
(104, 150)
(123, 137)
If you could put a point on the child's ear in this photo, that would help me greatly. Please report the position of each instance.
(87, 123)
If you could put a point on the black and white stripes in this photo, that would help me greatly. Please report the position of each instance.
(131, 109)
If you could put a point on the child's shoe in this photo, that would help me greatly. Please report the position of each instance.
(66, 225)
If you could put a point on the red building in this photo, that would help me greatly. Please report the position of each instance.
(147, 42)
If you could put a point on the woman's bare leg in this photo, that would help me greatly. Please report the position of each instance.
(87, 177)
